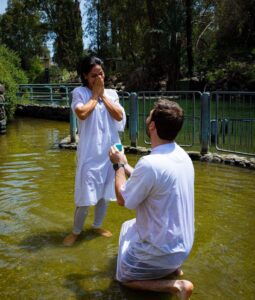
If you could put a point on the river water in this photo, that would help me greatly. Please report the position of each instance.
(36, 212)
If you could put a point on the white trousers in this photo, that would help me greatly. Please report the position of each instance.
(81, 213)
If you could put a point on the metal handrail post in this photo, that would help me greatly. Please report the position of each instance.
(205, 122)
(133, 119)
(51, 95)
(72, 121)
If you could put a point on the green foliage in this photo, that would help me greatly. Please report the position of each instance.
(35, 70)
(117, 29)
(58, 75)
(26, 26)
(10, 76)
(22, 31)
(160, 40)
(63, 19)
(235, 75)
(236, 27)
(144, 34)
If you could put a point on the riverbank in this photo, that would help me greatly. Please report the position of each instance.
(63, 114)
(227, 159)
(49, 112)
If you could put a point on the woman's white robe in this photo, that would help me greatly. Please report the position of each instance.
(97, 133)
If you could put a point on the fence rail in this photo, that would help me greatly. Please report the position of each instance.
(233, 122)
(41, 94)
(190, 101)
(221, 120)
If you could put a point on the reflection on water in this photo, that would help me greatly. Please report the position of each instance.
(36, 211)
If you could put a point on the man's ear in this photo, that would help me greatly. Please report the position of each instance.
(152, 125)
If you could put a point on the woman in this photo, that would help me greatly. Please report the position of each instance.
(100, 117)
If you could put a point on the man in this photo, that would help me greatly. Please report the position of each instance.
(161, 190)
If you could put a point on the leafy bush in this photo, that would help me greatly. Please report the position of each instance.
(233, 76)
(36, 68)
(10, 76)
(57, 75)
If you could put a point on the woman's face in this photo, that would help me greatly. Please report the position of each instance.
(95, 72)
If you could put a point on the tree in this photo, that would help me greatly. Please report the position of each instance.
(11, 75)
(145, 34)
(204, 35)
(165, 37)
(116, 28)
(236, 28)
(63, 19)
(188, 6)
(22, 31)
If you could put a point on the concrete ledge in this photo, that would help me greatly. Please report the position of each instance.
(227, 159)
(66, 143)
(59, 113)
(230, 159)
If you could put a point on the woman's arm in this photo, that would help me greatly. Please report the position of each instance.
(114, 110)
(83, 111)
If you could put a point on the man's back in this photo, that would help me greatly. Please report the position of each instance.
(163, 196)
(161, 190)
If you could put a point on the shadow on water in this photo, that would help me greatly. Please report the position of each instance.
(49, 239)
(78, 284)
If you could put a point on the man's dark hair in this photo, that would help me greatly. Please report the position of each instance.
(85, 65)
(168, 117)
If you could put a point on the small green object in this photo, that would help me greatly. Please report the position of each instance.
(119, 146)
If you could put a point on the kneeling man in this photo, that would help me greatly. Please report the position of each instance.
(161, 190)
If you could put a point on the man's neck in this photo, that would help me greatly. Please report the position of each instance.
(156, 141)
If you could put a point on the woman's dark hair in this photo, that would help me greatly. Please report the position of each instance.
(168, 117)
(85, 65)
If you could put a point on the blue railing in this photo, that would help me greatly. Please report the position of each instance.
(224, 121)
(42, 94)
(190, 101)
(233, 122)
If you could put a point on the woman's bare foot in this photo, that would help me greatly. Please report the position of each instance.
(103, 232)
(70, 239)
(185, 289)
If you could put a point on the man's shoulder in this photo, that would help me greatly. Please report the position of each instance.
(183, 152)
(146, 161)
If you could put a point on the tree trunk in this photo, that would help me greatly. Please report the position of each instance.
(190, 62)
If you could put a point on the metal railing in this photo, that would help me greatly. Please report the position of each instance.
(233, 122)
(45, 94)
(190, 101)
(221, 120)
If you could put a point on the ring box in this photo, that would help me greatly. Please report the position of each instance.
(119, 146)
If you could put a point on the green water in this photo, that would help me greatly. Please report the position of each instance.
(36, 212)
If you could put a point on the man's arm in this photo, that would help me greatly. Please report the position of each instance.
(128, 169)
(120, 179)
(118, 157)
